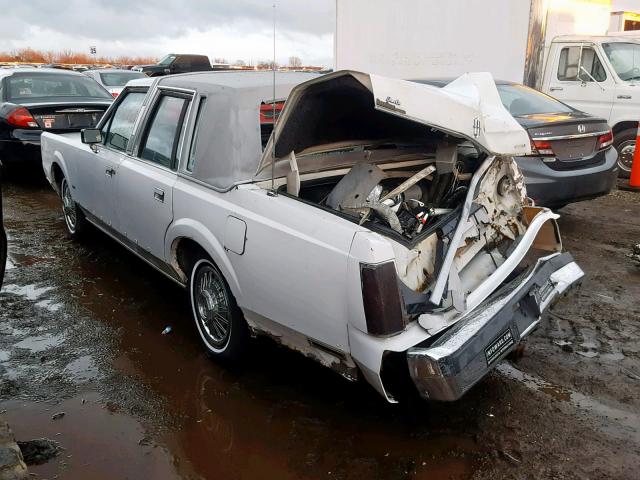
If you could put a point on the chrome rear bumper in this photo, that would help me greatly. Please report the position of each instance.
(464, 354)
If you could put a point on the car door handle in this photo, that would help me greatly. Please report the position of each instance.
(158, 194)
(553, 89)
(109, 172)
(625, 97)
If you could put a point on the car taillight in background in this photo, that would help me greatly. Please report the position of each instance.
(267, 111)
(21, 117)
(605, 140)
(541, 148)
(381, 298)
(114, 94)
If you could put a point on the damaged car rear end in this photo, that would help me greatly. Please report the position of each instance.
(451, 265)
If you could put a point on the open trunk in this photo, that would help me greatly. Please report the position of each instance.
(428, 169)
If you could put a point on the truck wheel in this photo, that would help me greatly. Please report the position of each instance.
(218, 318)
(73, 216)
(625, 143)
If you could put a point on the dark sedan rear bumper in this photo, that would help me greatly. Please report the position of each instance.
(550, 188)
(18, 153)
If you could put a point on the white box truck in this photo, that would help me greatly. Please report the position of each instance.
(560, 47)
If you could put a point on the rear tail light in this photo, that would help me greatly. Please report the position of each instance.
(605, 140)
(541, 148)
(267, 111)
(114, 94)
(21, 117)
(381, 298)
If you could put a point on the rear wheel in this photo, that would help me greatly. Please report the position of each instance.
(73, 216)
(218, 318)
(625, 143)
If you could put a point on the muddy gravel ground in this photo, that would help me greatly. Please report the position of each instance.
(83, 362)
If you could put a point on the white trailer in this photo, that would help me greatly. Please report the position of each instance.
(560, 47)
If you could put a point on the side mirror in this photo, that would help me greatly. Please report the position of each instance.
(91, 135)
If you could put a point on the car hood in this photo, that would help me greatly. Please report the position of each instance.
(543, 119)
(469, 107)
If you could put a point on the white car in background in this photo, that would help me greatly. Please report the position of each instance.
(113, 80)
(383, 230)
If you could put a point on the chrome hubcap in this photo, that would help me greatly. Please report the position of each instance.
(625, 154)
(212, 305)
(68, 206)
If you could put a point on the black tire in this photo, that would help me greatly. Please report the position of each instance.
(625, 143)
(219, 321)
(73, 215)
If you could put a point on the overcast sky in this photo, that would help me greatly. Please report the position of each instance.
(232, 29)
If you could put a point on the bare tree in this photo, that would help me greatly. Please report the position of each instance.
(295, 62)
(239, 63)
(220, 60)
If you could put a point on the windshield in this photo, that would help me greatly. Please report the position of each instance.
(624, 58)
(29, 86)
(522, 100)
(119, 79)
(167, 60)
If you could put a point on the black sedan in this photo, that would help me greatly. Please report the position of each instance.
(34, 100)
(572, 158)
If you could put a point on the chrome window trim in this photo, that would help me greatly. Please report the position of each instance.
(569, 137)
(144, 120)
(192, 133)
(111, 110)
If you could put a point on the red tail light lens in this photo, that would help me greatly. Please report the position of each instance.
(541, 148)
(114, 94)
(605, 140)
(21, 117)
(267, 112)
(381, 298)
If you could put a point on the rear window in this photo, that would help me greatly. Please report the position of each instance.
(522, 100)
(119, 79)
(30, 86)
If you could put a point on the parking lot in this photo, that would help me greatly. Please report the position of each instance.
(81, 334)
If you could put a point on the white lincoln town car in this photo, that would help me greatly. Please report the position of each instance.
(382, 228)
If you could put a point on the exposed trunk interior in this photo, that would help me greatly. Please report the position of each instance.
(402, 194)
(408, 181)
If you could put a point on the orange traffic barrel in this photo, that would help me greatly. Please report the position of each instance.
(634, 179)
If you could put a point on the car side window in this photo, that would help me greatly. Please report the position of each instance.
(194, 139)
(572, 58)
(163, 132)
(183, 62)
(117, 132)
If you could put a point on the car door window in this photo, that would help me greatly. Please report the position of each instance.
(163, 133)
(572, 58)
(120, 127)
(194, 140)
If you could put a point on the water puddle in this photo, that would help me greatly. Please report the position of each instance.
(620, 423)
(26, 260)
(83, 368)
(92, 436)
(40, 343)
